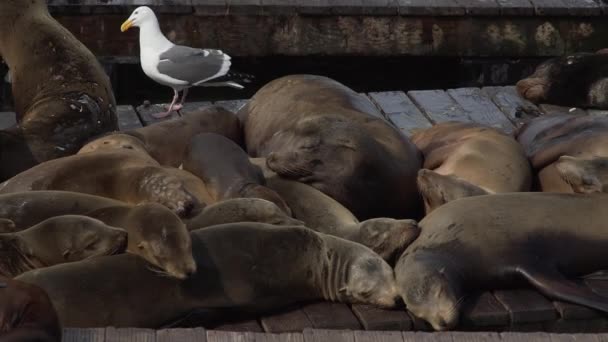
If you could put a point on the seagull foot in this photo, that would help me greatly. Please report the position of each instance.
(175, 107)
(161, 115)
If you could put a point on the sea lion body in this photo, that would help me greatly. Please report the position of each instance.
(574, 80)
(318, 131)
(60, 239)
(493, 245)
(469, 159)
(62, 95)
(26, 313)
(235, 269)
(570, 153)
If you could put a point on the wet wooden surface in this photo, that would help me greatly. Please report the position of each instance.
(517, 310)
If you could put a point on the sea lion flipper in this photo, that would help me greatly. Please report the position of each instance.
(552, 283)
(7, 226)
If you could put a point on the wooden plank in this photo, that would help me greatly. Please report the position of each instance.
(373, 318)
(516, 7)
(438, 105)
(84, 335)
(232, 105)
(484, 310)
(516, 108)
(292, 320)
(480, 108)
(526, 306)
(285, 337)
(182, 335)
(378, 114)
(431, 7)
(459, 336)
(229, 336)
(320, 335)
(249, 325)
(517, 336)
(562, 326)
(378, 336)
(329, 315)
(127, 118)
(7, 119)
(427, 336)
(480, 7)
(560, 110)
(550, 7)
(597, 112)
(130, 335)
(569, 311)
(583, 7)
(400, 111)
(145, 112)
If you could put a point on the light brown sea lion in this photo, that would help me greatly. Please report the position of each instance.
(62, 95)
(569, 152)
(317, 131)
(167, 141)
(26, 313)
(57, 240)
(248, 266)
(241, 210)
(463, 159)
(501, 240)
(154, 233)
(226, 170)
(574, 80)
(124, 175)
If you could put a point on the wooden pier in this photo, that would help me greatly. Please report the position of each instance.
(500, 310)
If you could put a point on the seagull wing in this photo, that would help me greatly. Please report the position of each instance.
(194, 66)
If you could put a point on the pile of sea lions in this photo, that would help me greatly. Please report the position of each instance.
(305, 194)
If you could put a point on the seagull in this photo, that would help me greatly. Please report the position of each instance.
(177, 66)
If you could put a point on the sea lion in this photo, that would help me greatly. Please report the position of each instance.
(154, 233)
(317, 131)
(247, 266)
(62, 96)
(167, 141)
(60, 239)
(574, 80)
(241, 210)
(485, 242)
(125, 175)
(26, 313)
(226, 170)
(463, 159)
(569, 152)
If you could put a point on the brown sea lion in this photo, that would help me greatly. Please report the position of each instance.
(463, 159)
(248, 266)
(124, 175)
(226, 170)
(26, 313)
(487, 242)
(167, 141)
(154, 233)
(317, 131)
(62, 95)
(569, 152)
(57, 240)
(241, 210)
(575, 80)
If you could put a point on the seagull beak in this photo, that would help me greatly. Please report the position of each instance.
(126, 25)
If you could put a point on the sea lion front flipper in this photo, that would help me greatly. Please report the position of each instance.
(552, 283)
(7, 226)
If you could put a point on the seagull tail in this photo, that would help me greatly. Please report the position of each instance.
(222, 84)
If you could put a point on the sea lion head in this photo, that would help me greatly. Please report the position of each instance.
(159, 236)
(535, 87)
(437, 189)
(388, 237)
(584, 175)
(69, 238)
(114, 141)
(428, 292)
(369, 280)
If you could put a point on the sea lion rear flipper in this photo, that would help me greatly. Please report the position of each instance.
(552, 283)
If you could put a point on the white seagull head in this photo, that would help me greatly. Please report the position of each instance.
(140, 16)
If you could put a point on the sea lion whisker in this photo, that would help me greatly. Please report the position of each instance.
(158, 271)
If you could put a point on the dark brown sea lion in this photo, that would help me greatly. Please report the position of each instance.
(167, 141)
(26, 313)
(575, 80)
(241, 210)
(57, 240)
(155, 233)
(226, 170)
(124, 175)
(319, 132)
(463, 159)
(247, 266)
(487, 242)
(62, 95)
(569, 152)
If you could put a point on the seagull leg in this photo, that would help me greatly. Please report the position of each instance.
(180, 105)
(162, 115)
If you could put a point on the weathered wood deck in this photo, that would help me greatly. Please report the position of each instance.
(500, 310)
(349, 27)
